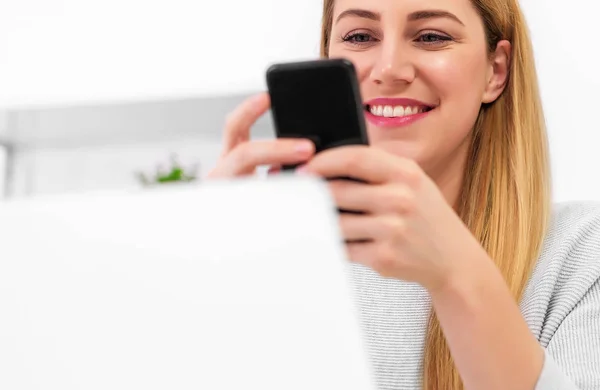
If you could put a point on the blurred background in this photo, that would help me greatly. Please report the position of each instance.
(103, 95)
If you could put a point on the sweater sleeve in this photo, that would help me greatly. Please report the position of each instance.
(572, 358)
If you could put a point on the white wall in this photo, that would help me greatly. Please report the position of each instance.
(567, 62)
(73, 50)
(3, 122)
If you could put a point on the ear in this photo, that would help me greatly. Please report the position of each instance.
(498, 72)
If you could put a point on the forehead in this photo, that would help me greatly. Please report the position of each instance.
(399, 8)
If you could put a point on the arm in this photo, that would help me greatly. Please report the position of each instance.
(490, 341)
(493, 347)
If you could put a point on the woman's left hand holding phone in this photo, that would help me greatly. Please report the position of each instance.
(240, 156)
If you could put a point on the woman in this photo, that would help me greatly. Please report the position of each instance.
(458, 226)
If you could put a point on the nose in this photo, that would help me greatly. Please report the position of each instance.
(393, 66)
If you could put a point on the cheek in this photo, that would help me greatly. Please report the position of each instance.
(454, 77)
(458, 81)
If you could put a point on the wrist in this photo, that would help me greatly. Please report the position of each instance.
(466, 277)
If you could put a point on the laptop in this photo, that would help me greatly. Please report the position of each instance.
(239, 284)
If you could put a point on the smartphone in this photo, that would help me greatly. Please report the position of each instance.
(317, 100)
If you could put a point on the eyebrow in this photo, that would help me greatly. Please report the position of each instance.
(433, 14)
(412, 17)
(359, 13)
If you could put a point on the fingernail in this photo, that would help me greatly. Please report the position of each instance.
(304, 147)
(257, 102)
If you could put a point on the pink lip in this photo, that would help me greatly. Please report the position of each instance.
(381, 121)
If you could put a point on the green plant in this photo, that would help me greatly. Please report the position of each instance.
(175, 173)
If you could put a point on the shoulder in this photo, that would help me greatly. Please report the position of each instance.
(573, 236)
(575, 217)
(571, 251)
(568, 267)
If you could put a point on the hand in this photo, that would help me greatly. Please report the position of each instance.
(240, 156)
(407, 230)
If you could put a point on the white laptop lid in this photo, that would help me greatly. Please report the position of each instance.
(229, 285)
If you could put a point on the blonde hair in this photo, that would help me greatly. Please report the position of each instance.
(505, 195)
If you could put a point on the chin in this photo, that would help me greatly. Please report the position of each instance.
(401, 148)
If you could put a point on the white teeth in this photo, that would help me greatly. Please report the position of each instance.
(388, 111)
(395, 111)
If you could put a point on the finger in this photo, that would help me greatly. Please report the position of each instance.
(369, 227)
(239, 122)
(372, 198)
(364, 163)
(246, 157)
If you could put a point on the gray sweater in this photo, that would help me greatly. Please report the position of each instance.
(561, 306)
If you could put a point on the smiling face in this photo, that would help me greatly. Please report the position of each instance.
(424, 70)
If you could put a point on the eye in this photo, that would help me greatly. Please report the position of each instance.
(433, 38)
(359, 38)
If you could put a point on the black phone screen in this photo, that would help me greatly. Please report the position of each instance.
(318, 100)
